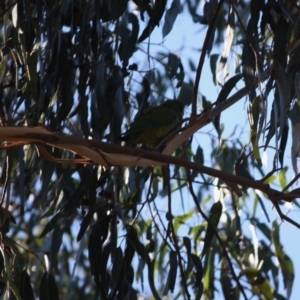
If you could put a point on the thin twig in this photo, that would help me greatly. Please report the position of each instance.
(6, 180)
(202, 58)
(175, 243)
(235, 277)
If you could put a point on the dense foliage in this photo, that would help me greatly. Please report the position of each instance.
(83, 216)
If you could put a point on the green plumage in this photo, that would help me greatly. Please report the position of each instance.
(152, 125)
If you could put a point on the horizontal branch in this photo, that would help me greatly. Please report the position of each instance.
(106, 154)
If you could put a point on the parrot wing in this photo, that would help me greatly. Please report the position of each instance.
(152, 125)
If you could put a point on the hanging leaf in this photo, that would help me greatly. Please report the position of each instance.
(285, 262)
(261, 202)
(170, 17)
(116, 271)
(249, 62)
(226, 90)
(253, 116)
(213, 221)
(156, 15)
(260, 285)
(284, 97)
(32, 59)
(209, 275)
(283, 142)
(185, 94)
(26, 291)
(213, 58)
(86, 222)
(227, 288)
(281, 36)
(48, 289)
(295, 117)
(227, 44)
(188, 246)
(50, 225)
(128, 44)
(172, 274)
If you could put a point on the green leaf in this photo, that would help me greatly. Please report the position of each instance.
(209, 275)
(128, 44)
(286, 265)
(199, 157)
(25, 286)
(213, 221)
(50, 225)
(198, 274)
(85, 222)
(283, 142)
(156, 15)
(97, 237)
(173, 270)
(116, 271)
(227, 288)
(172, 273)
(15, 290)
(32, 59)
(263, 228)
(226, 90)
(213, 66)
(228, 86)
(56, 241)
(149, 232)
(282, 177)
(2, 70)
(260, 285)
(188, 246)
(182, 219)
(170, 17)
(281, 36)
(173, 64)
(198, 268)
(21, 180)
(284, 98)
(48, 289)
(261, 202)
(47, 172)
(249, 62)
(227, 44)
(186, 88)
(253, 116)
(136, 244)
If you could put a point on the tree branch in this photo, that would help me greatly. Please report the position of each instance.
(115, 155)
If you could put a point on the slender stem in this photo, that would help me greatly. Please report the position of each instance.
(225, 252)
(207, 39)
(175, 243)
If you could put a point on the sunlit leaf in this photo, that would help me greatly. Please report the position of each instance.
(286, 265)
(209, 276)
(260, 285)
(227, 44)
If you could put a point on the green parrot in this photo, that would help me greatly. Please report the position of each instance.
(153, 124)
